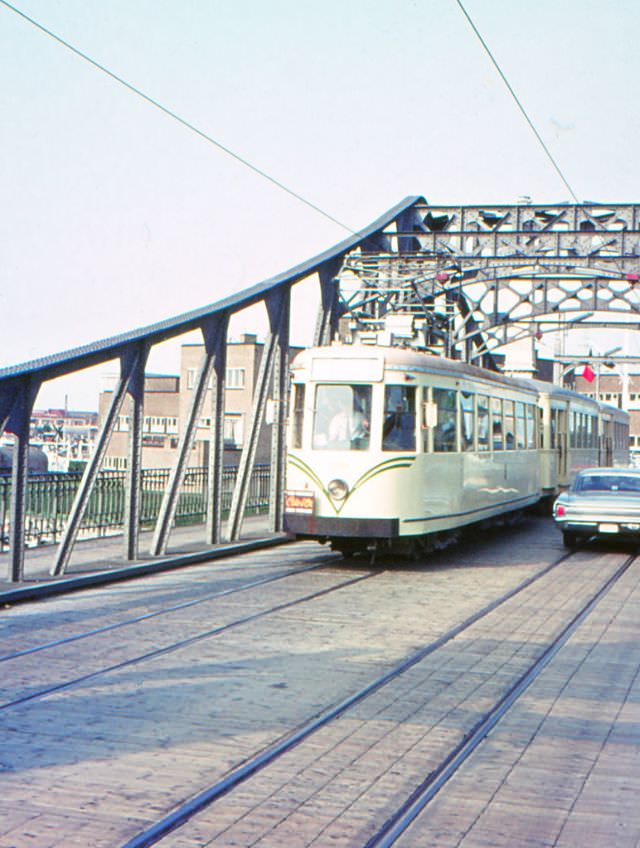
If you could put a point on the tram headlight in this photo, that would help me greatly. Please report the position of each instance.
(338, 490)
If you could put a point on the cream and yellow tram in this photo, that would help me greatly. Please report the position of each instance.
(577, 432)
(390, 447)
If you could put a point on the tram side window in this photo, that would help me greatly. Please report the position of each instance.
(399, 424)
(342, 417)
(483, 423)
(509, 426)
(298, 414)
(466, 409)
(572, 429)
(496, 424)
(554, 429)
(585, 431)
(520, 426)
(531, 426)
(444, 434)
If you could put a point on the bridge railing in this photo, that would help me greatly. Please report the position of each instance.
(50, 497)
(19, 386)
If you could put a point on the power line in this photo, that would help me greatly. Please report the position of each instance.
(176, 117)
(519, 104)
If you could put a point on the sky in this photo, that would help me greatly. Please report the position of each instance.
(115, 216)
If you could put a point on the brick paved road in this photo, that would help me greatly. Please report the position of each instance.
(95, 763)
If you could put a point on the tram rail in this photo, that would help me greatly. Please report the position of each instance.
(183, 643)
(261, 760)
(417, 801)
(222, 593)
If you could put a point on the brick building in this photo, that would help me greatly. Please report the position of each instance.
(159, 428)
(166, 406)
(617, 390)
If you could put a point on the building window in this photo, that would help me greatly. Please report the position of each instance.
(235, 378)
(191, 378)
(115, 463)
(233, 430)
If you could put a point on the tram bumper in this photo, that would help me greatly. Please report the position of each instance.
(317, 526)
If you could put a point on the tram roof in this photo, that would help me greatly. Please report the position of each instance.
(413, 360)
(421, 360)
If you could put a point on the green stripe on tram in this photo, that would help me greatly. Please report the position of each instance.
(385, 465)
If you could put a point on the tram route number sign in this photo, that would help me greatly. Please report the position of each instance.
(300, 502)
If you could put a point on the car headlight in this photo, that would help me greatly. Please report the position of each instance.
(338, 490)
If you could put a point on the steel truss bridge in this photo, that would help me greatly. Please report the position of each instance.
(463, 281)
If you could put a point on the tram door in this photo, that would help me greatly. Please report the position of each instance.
(606, 443)
(562, 441)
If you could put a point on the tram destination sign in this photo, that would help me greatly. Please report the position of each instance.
(300, 502)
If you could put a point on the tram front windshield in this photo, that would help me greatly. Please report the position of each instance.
(342, 417)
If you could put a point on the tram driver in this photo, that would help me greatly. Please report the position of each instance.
(342, 417)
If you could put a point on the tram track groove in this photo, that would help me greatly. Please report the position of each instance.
(164, 611)
(399, 822)
(259, 761)
(183, 643)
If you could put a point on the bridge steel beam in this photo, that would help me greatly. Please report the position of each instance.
(133, 488)
(328, 314)
(278, 311)
(128, 366)
(212, 364)
(279, 320)
(216, 446)
(18, 421)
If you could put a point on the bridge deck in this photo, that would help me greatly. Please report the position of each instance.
(165, 685)
(105, 555)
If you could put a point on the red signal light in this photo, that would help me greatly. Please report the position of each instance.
(633, 278)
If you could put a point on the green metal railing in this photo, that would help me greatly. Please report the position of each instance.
(50, 496)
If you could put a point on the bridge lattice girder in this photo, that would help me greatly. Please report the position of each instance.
(487, 275)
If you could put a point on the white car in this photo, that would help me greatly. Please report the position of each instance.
(602, 502)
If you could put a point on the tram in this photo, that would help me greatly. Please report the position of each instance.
(391, 448)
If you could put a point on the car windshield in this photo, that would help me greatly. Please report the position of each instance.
(608, 483)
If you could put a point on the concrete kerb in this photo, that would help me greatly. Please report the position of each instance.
(73, 584)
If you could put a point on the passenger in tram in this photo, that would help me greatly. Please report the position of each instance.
(399, 427)
(497, 435)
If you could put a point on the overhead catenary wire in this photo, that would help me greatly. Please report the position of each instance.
(259, 171)
(519, 104)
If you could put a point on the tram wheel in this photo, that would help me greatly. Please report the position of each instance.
(569, 539)
(348, 548)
